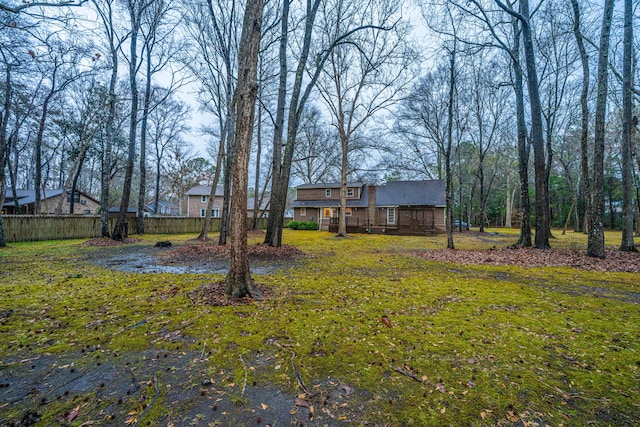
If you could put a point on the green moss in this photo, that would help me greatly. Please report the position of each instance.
(487, 344)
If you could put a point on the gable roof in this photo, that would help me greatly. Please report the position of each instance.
(411, 193)
(26, 197)
(204, 190)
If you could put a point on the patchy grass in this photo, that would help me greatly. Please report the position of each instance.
(373, 332)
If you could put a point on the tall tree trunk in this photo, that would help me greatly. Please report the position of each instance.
(595, 247)
(120, 230)
(38, 148)
(585, 183)
(278, 127)
(524, 239)
(256, 192)
(4, 124)
(627, 243)
(280, 183)
(448, 191)
(142, 185)
(239, 282)
(537, 136)
(342, 212)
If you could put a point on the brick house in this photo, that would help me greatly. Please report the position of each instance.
(397, 207)
(83, 203)
(198, 197)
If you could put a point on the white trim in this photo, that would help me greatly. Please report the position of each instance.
(392, 218)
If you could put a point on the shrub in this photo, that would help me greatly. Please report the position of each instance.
(311, 225)
(294, 225)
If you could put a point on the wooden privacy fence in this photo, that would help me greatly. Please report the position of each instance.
(25, 228)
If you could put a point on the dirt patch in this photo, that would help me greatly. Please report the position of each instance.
(192, 258)
(213, 294)
(258, 252)
(614, 261)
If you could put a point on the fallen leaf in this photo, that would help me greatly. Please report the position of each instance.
(386, 321)
(73, 414)
(264, 406)
(301, 402)
(440, 387)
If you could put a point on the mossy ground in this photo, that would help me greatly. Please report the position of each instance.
(376, 334)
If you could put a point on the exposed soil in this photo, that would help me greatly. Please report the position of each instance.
(191, 257)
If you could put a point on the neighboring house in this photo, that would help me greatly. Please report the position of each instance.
(198, 197)
(398, 207)
(165, 208)
(83, 203)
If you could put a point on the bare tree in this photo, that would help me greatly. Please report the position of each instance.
(317, 153)
(108, 19)
(366, 73)
(136, 10)
(627, 243)
(595, 246)
(167, 124)
(239, 282)
(214, 31)
(537, 136)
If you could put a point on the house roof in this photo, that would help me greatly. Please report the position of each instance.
(263, 206)
(26, 197)
(411, 193)
(204, 190)
(328, 185)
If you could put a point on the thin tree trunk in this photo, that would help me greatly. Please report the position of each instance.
(280, 183)
(4, 124)
(121, 231)
(342, 213)
(204, 232)
(627, 244)
(584, 107)
(38, 148)
(524, 239)
(142, 185)
(447, 152)
(239, 282)
(278, 128)
(595, 247)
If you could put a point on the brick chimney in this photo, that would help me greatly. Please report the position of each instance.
(373, 210)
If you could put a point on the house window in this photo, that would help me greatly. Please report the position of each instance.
(327, 192)
(265, 215)
(203, 212)
(303, 211)
(326, 213)
(76, 197)
(87, 212)
(350, 192)
(215, 213)
(391, 215)
(203, 199)
(347, 211)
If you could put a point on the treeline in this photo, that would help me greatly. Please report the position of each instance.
(525, 110)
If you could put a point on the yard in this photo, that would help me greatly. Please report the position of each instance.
(366, 330)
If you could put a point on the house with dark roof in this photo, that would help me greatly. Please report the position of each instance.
(397, 207)
(22, 202)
